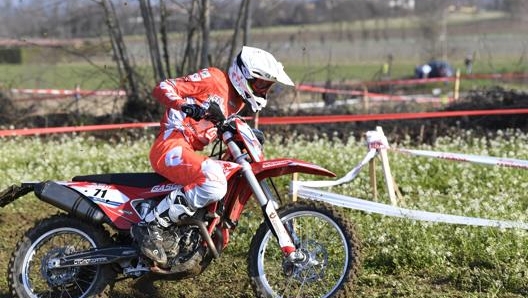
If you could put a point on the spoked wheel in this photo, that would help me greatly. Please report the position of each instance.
(330, 247)
(30, 273)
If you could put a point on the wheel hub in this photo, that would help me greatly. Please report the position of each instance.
(312, 267)
(57, 277)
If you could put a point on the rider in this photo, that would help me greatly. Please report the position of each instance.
(184, 131)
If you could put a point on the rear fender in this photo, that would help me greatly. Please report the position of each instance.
(14, 192)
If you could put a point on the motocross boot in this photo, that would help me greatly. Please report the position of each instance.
(150, 240)
(148, 233)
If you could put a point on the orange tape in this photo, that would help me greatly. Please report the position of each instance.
(388, 116)
(50, 130)
(275, 121)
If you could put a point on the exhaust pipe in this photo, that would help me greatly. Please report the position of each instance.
(68, 200)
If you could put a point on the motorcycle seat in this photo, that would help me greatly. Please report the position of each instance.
(127, 179)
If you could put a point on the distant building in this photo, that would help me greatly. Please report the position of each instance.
(402, 4)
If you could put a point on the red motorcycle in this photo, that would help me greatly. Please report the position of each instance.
(302, 249)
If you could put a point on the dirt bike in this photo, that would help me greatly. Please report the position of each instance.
(302, 249)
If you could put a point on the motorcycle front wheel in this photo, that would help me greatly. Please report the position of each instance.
(331, 251)
(29, 274)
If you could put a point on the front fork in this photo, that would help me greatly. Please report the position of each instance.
(270, 211)
(268, 206)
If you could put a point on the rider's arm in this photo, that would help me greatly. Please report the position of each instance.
(173, 93)
(167, 93)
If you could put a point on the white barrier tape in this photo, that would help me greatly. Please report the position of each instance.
(347, 178)
(487, 160)
(369, 206)
(376, 141)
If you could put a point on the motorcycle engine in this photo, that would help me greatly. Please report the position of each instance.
(181, 243)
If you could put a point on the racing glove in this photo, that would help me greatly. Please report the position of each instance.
(194, 111)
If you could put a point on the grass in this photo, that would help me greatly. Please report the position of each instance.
(402, 258)
(59, 76)
(88, 77)
(308, 59)
(390, 23)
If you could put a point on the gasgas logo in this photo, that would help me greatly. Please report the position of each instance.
(164, 187)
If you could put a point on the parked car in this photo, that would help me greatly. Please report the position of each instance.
(434, 69)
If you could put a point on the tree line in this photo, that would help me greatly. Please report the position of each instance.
(194, 20)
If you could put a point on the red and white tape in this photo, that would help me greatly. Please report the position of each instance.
(372, 96)
(71, 92)
(486, 160)
(65, 129)
(301, 87)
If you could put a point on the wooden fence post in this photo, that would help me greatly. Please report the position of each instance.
(389, 180)
(456, 91)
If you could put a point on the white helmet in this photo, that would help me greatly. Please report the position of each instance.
(253, 72)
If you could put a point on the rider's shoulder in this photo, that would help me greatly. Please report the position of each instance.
(214, 71)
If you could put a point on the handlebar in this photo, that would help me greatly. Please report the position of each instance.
(214, 113)
(216, 116)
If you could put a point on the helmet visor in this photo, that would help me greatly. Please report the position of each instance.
(260, 87)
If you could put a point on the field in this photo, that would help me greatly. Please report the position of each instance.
(345, 51)
(401, 257)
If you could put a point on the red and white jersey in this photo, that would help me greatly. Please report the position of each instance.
(208, 84)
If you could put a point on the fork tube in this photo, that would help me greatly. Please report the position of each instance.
(271, 195)
(268, 207)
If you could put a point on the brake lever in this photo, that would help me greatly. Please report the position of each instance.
(227, 125)
(214, 113)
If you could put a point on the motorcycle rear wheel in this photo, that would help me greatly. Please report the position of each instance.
(29, 275)
(329, 242)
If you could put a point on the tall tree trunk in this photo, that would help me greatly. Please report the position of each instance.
(185, 64)
(150, 30)
(164, 39)
(234, 39)
(119, 49)
(206, 24)
(137, 106)
(247, 22)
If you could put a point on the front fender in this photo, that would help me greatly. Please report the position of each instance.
(283, 166)
(239, 191)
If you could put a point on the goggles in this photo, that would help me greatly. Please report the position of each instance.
(260, 87)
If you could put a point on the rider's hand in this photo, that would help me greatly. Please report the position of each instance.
(259, 134)
(194, 111)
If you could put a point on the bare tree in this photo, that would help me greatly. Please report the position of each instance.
(137, 105)
(247, 21)
(192, 26)
(152, 39)
(119, 49)
(433, 25)
(517, 8)
(205, 24)
(163, 36)
(234, 38)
